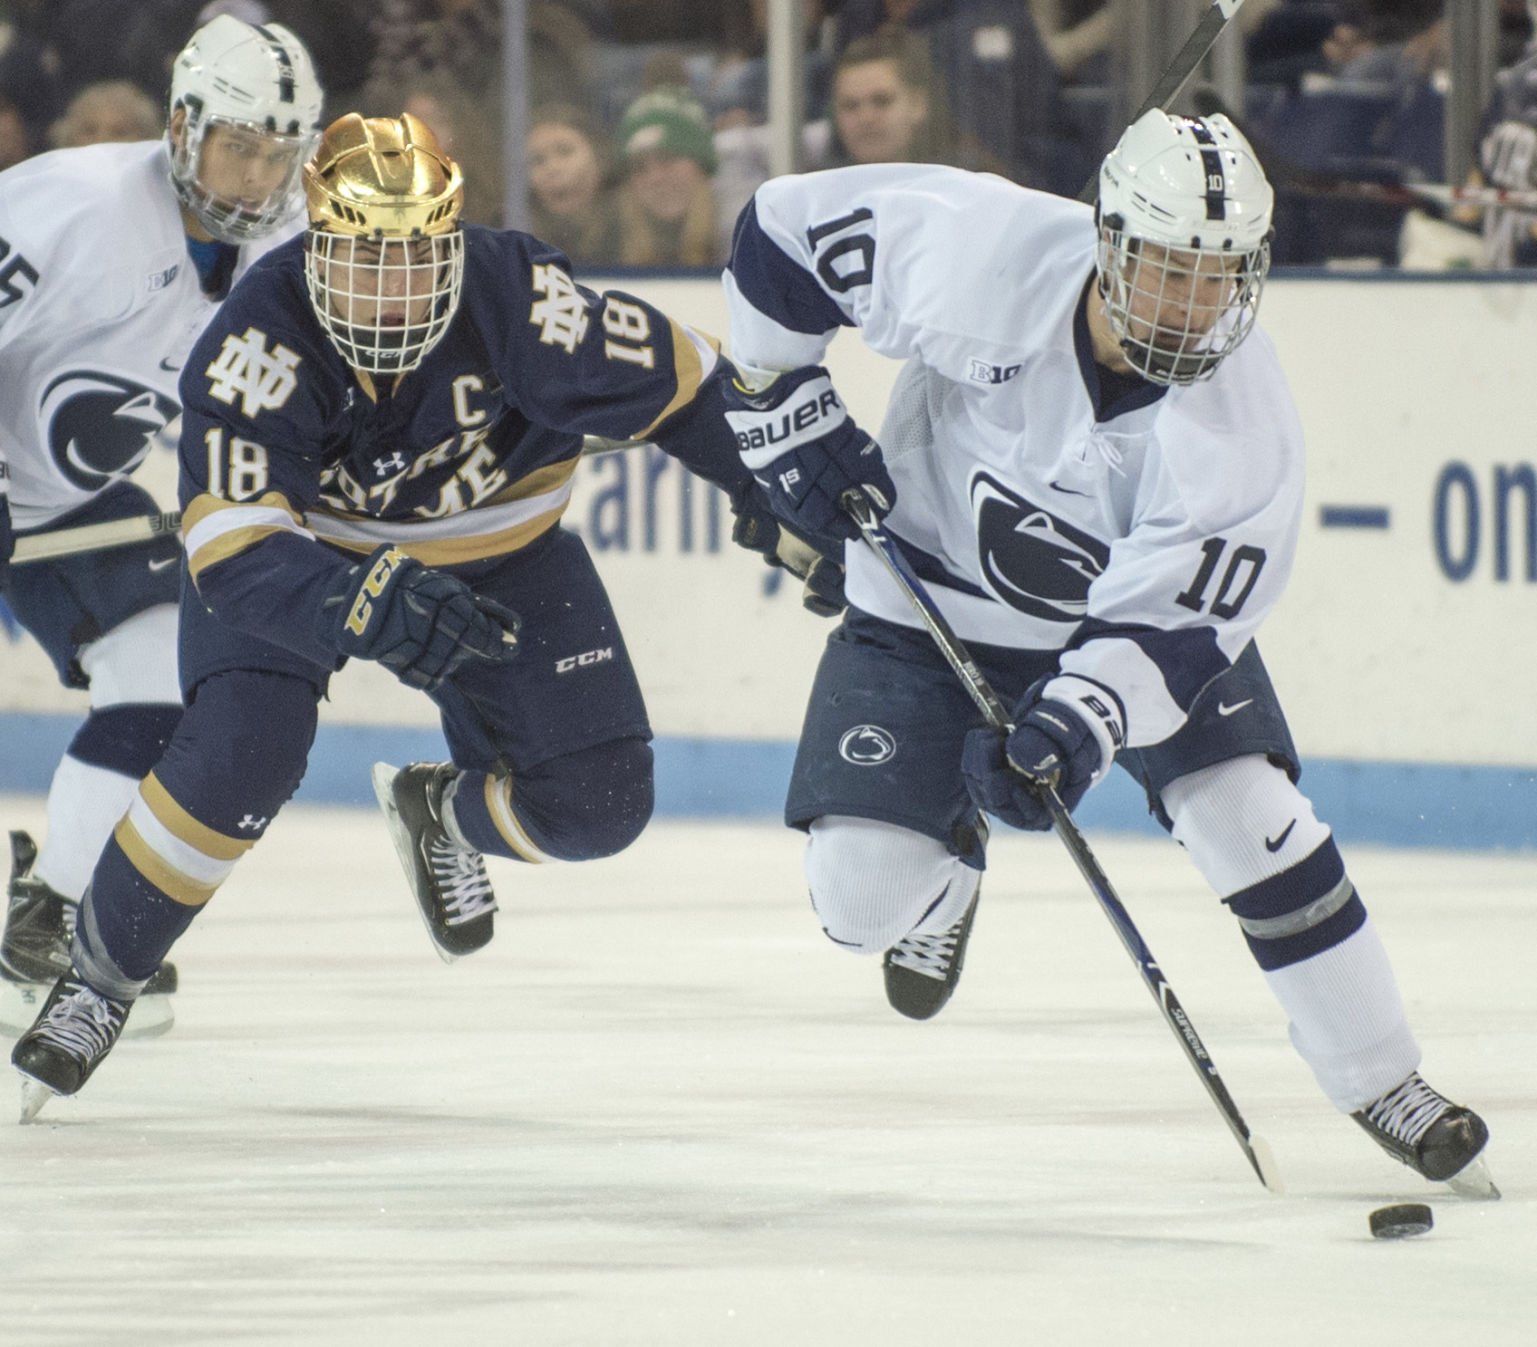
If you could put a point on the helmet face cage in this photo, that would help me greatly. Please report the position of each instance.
(1184, 243)
(1177, 312)
(233, 221)
(384, 302)
(384, 256)
(256, 85)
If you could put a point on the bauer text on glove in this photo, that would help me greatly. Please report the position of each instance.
(805, 452)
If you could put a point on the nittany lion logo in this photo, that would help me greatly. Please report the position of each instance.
(867, 746)
(100, 426)
(1032, 559)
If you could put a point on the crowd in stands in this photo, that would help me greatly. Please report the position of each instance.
(648, 117)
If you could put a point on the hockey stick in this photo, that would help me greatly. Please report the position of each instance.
(1201, 39)
(981, 692)
(141, 528)
(94, 537)
(1441, 194)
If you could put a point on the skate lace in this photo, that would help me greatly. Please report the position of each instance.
(928, 955)
(1408, 1111)
(464, 888)
(83, 1023)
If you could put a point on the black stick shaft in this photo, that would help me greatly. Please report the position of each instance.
(987, 701)
(1201, 40)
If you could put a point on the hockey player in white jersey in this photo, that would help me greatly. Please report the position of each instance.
(1092, 460)
(112, 260)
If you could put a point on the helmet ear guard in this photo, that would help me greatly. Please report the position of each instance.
(384, 256)
(256, 80)
(1184, 218)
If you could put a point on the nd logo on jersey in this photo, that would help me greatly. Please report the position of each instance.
(263, 380)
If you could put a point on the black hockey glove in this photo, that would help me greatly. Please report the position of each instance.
(805, 452)
(758, 529)
(419, 623)
(1053, 743)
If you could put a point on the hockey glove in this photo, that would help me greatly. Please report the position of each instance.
(421, 624)
(1065, 741)
(759, 530)
(805, 452)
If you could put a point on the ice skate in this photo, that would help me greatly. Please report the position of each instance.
(39, 922)
(451, 886)
(922, 971)
(34, 952)
(58, 1054)
(1433, 1136)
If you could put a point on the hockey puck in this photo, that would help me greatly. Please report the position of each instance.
(1400, 1222)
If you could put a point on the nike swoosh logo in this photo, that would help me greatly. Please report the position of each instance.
(1223, 709)
(170, 366)
(162, 563)
(1280, 841)
(1066, 490)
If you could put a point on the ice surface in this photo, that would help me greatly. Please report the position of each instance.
(662, 1109)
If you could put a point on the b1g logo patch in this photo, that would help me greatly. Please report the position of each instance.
(867, 746)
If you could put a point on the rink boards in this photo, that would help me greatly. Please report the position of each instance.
(1399, 650)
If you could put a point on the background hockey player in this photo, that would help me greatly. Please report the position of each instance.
(1092, 460)
(380, 434)
(114, 258)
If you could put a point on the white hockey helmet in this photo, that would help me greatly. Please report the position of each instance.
(259, 80)
(1184, 243)
(384, 256)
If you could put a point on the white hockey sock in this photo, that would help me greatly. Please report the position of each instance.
(874, 883)
(1347, 1018)
(85, 803)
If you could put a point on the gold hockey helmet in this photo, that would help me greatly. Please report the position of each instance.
(385, 254)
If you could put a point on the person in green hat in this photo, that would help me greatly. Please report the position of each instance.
(667, 208)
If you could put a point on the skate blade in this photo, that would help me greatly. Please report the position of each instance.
(34, 1094)
(1474, 1181)
(383, 777)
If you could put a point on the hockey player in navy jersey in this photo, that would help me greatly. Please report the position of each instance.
(1092, 460)
(112, 258)
(380, 434)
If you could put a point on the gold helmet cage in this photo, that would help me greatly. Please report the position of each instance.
(384, 256)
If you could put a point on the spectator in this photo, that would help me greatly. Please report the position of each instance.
(15, 139)
(667, 206)
(736, 92)
(469, 126)
(570, 185)
(29, 97)
(1406, 43)
(462, 40)
(998, 76)
(887, 106)
(109, 110)
(1507, 157)
(1078, 35)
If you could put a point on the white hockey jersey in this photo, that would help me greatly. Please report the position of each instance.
(99, 306)
(1144, 532)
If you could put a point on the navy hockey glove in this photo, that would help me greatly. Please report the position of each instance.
(758, 529)
(805, 452)
(419, 623)
(1055, 742)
